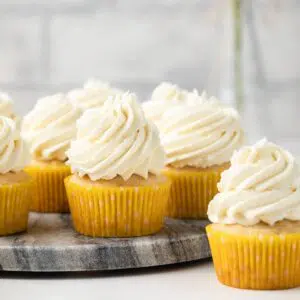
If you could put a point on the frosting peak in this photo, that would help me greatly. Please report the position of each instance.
(50, 127)
(262, 185)
(93, 94)
(14, 155)
(200, 134)
(167, 95)
(116, 140)
(163, 97)
(167, 91)
(6, 106)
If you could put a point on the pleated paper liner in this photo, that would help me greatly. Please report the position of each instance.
(14, 206)
(192, 190)
(104, 211)
(50, 194)
(261, 261)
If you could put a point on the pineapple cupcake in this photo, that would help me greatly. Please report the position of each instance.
(199, 139)
(15, 185)
(93, 94)
(116, 189)
(255, 235)
(49, 129)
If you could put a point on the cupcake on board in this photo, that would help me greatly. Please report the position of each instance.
(93, 94)
(48, 130)
(116, 189)
(199, 140)
(15, 185)
(255, 235)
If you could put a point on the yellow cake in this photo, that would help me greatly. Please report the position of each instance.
(255, 235)
(116, 207)
(117, 189)
(15, 185)
(50, 193)
(48, 129)
(257, 257)
(192, 189)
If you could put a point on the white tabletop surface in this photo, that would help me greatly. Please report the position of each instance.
(190, 281)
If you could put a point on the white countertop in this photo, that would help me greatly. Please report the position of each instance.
(190, 281)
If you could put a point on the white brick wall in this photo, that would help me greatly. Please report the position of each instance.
(55, 45)
(20, 49)
(41, 3)
(272, 70)
(130, 47)
(50, 46)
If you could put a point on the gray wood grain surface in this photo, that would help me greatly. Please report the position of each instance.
(51, 245)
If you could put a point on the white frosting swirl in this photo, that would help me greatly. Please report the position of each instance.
(262, 185)
(167, 91)
(14, 154)
(116, 140)
(166, 96)
(50, 127)
(200, 134)
(6, 106)
(154, 110)
(93, 94)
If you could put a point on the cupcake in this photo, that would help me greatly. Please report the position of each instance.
(15, 184)
(116, 189)
(199, 140)
(255, 235)
(93, 94)
(49, 129)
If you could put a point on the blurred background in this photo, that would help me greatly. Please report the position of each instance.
(244, 51)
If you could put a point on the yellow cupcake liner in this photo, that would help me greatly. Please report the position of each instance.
(259, 261)
(103, 211)
(50, 193)
(14, 207)
(191, 192)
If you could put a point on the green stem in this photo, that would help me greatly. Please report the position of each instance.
(238, 44)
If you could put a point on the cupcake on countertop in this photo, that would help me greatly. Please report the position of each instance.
(117, 189)
(15, 184)
(256, 217)
(93, 94)
(49, 129)
(199, 140)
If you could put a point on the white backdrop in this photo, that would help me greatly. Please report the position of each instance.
(52, 46)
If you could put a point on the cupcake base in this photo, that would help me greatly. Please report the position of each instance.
(50, 194)
(15, 197)
(259, 257)
(116, 208)
(192, 189)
